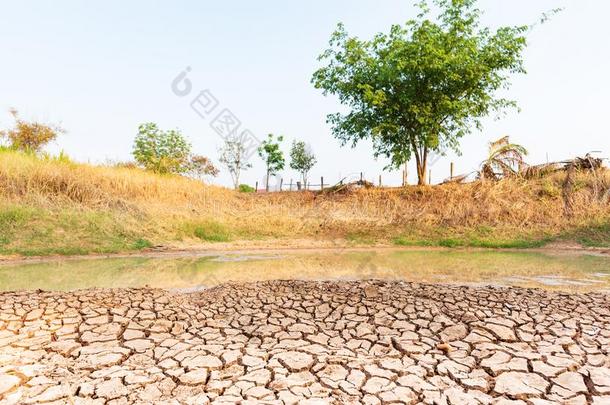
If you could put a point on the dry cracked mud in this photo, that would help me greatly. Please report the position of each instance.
(289, 342)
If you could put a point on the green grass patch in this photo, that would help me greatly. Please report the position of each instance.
(11, 216)
(595, 235)
(208, 231)
(509, 243)
(141, 244)
(31, 231)
(450, 243)
(12, 221)
(411, 241)
(481, 237)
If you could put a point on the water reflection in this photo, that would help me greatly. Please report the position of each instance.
(552, 271)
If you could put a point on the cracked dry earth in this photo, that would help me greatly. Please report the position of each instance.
(290, 342)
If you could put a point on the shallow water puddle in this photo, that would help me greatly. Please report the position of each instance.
(563, 271)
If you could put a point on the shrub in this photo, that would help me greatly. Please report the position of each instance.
(244, 188)
(30, 136)
(549, 190)
(61, 158)
(141, 244)
(124, 165)
(211, 232)
(200, 167)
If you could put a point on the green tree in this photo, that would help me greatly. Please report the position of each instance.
(162, 151)
(29, 136)
(270, 152)
(302, 159)
(422, 86)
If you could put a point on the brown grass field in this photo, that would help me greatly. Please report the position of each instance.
(55, 206)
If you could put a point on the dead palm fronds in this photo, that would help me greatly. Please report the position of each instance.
(505, 159)
(343, 187)
(540, 171)
(587, 162)
(460, 179)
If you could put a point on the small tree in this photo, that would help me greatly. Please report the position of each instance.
(271, 154)
(233, 155)
(161, 151)
(302, 159)
(201, 167)
(30, 136)
(423, 86)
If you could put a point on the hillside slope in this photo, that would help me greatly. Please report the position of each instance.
(54, 206)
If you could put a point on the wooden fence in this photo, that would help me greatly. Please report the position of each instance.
(299, 186)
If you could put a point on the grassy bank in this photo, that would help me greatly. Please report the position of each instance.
(55, 206)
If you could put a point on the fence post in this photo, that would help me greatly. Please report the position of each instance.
(322, 183)
(451, 171)
(281, 183)
(361, 177)
(380, 180)
(256, 187)
(290, 184)
(430, 177)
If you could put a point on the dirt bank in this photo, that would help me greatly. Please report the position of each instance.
(49, 207)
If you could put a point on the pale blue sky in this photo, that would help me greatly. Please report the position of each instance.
(101, 68)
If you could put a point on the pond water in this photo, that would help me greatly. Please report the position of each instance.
(564, 271)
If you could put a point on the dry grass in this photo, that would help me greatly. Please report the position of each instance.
(52, 205)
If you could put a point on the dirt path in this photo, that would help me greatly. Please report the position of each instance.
(289, 342)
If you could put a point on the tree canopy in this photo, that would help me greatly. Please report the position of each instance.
(161, 151)
(201, 167)
(169, 152)
(422, 86)
(29, 136)
(302, 159)
(270, 152)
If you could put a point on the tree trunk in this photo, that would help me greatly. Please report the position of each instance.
(421, 174)
(421, 159)
(267, 181)
(236, 180)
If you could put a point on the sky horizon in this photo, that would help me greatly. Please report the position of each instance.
(100, 70)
